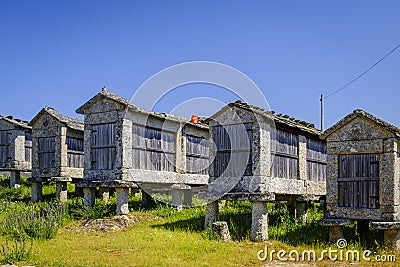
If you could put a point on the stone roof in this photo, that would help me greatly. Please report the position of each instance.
(17, 122)
(128, 105)
(277, 118)
(71, 123)
(363, 114)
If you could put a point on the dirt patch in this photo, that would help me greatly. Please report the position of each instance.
(116, 223)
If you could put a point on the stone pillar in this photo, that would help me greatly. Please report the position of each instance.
(61, 191)
(104, 193)
(391, 239)
(187, 198)
(335, 233)
(89, 194)
(291, 205)
(212, 211)
(301, 209)
(36, 191)
(259, 221)
(147, 201)
(302, 157)
(15, 179)
(134, 192)
(78, 191)
(180, 151)
(363, 228)
(177, 196)
(122, 200)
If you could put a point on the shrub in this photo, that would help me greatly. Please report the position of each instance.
(17, 252)
(41, 221)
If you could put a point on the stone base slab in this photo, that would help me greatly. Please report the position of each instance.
(110, 184)
(385, 225)
(61, 179)
(335, 222)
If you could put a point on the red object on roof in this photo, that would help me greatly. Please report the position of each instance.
(195, 119)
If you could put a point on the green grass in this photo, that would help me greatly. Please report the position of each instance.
(174, 239)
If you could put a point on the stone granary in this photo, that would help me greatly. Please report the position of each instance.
(127, 147)
(261, 157)
(57, 151)
(363, 176)
(15, 147)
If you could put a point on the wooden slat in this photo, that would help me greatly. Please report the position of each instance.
(359, 175)
(47, 148)
(153, 149)
(316, 160)
(103, 147)
(197, 154)
(284, 149)
(233, 143)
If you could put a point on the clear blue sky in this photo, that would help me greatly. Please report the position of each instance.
(60, 53)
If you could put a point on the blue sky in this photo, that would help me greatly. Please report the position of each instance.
(60, 53)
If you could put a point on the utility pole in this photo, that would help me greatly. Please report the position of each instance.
(322, 112)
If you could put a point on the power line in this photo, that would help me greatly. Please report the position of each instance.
(363, 73)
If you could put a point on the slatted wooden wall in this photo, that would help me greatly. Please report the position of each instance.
(5, 142)
(47, 148)
(358, 181)
(284, 151)
(153, 149)
(197, 154)
(233, 142)
(28, 146)
(75, 152)
(103, 146)
(316, 160)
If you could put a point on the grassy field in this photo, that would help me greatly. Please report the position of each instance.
(164, 238)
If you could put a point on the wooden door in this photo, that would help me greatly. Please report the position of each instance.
(358, 181)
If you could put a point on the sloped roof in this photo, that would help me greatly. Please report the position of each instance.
(72, 123)
(277, 118)
(363, 114)
(19, 123)
(104, 94)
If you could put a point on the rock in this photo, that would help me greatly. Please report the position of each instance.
(221, 228)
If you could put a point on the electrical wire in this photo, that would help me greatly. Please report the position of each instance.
(363, 73)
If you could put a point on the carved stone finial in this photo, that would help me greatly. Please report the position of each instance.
(104, 89)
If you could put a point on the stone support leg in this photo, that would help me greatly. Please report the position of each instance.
(147, 201)
(187, 198)
(177, 196)
(15, 179)
(122, 200)
(89, 194)
(78, 191)
(104, 193)
(36, 191)
(212, 211)
(259, 222)
(61, 191)
(301, 209)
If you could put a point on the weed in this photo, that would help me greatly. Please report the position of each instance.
(18, 251)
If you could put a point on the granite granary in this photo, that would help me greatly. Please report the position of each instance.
(363, 176)
(57, 151)
(15, 147)
(129, 147)
(261, 156)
